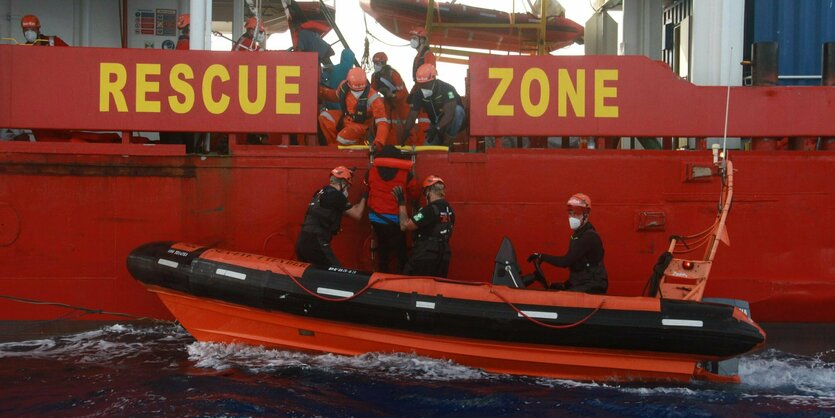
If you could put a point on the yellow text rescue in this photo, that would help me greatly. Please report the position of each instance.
(181, 78)
(570, 88)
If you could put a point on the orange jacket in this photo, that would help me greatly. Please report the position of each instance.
(374, 104)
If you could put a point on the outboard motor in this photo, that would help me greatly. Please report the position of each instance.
(506, 271)
(729, 367)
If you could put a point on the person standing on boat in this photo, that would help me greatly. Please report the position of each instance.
(390, 85)
(420, 42)
(584, 258)
(183, 24)
(434, 224)
(31, 26)
(251, 40)
(440, 102)
(360, 106)
(323, 219)
(389, 171)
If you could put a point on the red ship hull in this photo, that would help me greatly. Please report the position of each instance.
(69, 220)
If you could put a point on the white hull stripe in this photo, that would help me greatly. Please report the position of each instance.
(232, 274)
(168, 263)
(425, 305)
(540, 314)
(333, 292)
(682, 323)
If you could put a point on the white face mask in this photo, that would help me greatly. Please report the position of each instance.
(378, 68)
(426, 92)
(345, 192)
(414, 43)
(356, 94)
(574, 223)
(30, 35)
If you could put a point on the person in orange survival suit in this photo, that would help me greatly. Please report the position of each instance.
(323, 219)
(390, 85)
(389, 171)
(420, 42)
(360, 105)
(183, 24)
(31, 26)
(251, 40)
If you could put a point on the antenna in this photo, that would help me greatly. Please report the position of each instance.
(727, 107)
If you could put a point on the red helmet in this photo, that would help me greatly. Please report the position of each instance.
(30, 22)
(419, 31)
(380, 57)
(431, 180)
(579, 203)
(250, 24)
(183, 21)
(426, 73)
(343, 172)
(356, 79)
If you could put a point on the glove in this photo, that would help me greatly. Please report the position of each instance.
(398, 195)
(534, 257)
(364, 194)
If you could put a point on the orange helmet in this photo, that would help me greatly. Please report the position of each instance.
(250, 24)
(419, 31)
(356, 79)
(431, 180)
(426, 73)
(579, 203)
(380, 57)
(30, 22)
(343, 172)
(183, 21)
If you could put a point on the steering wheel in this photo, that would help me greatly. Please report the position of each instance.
(538, 275)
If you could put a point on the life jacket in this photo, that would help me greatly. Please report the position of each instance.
(183, 42)
(441, 232)
(420, 59)
(380, 199)
(361, 110)
(322, 222)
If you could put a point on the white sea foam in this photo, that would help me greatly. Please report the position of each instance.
(263, 360)
(773, 369)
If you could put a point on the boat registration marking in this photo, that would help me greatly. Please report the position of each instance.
(333, 292)
(168, 263)
(682, 323)
(539, 314)
(423, 304)
(232, 274)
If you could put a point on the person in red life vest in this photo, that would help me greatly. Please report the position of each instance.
(584, 258)
(442, 105)
(420, 42)
(31, 26)
(251, 40)
(183, 23)
(323, 219)
(390, 85)
(433, 225)
(360, 106)
(389, 171)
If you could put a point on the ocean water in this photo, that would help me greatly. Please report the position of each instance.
(160, 370)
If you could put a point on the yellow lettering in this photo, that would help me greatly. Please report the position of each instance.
(252, 107)
(569, 92)
(179, 85)
(505, 76)
(108, 88)
(143, 87)
(538, 75)
(215, 71)
(283, 88)
(601, 92)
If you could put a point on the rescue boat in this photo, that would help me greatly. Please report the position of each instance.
(499, 325)
(482, 29)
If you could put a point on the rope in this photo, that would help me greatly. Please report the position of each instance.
(85, 311)
(492, 290)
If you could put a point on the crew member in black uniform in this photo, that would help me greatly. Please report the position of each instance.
(442, 105)
(433, 223)
(324, 217)
(584, 258)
